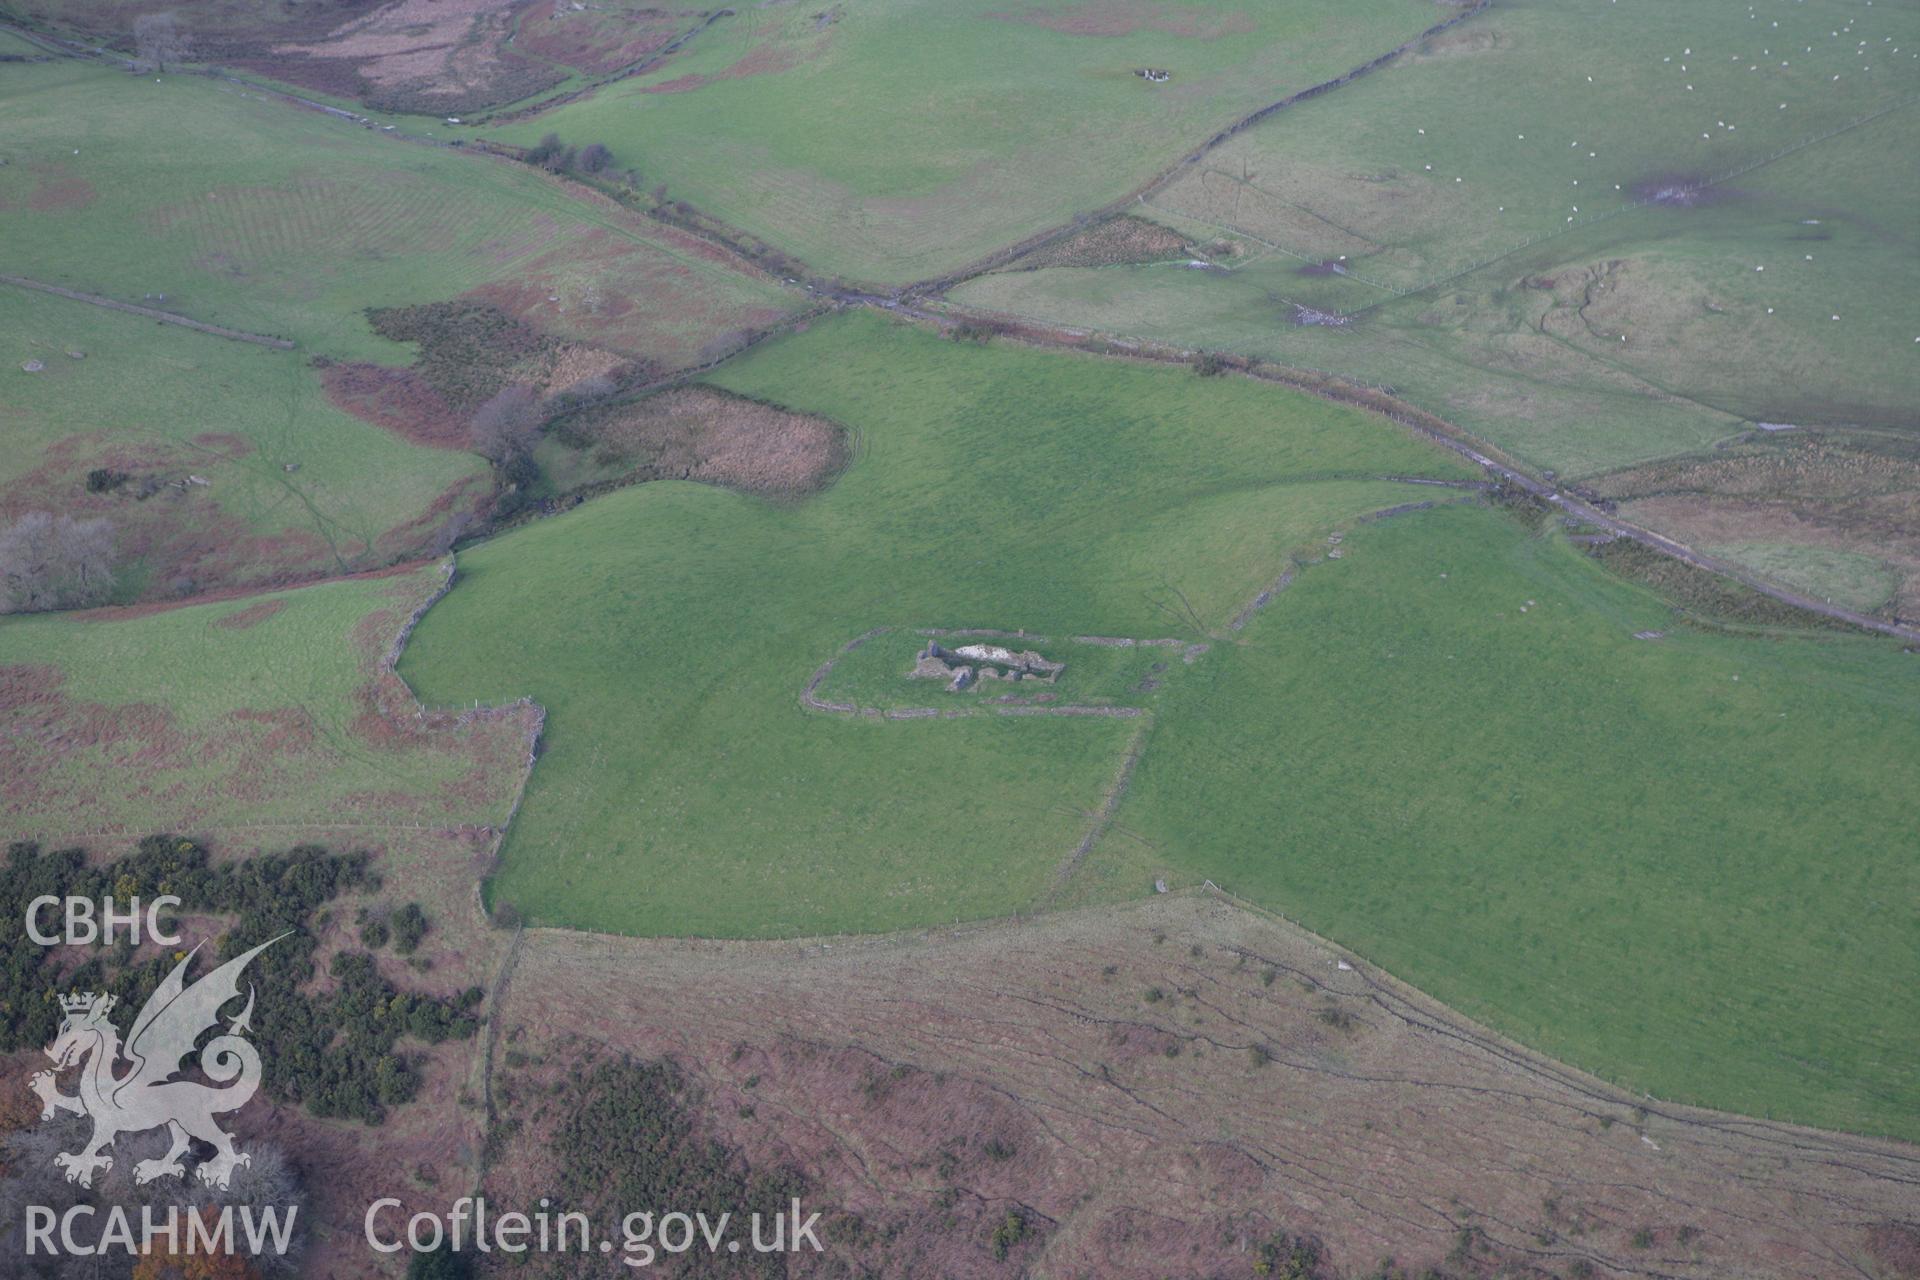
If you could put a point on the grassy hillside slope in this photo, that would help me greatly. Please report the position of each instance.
(1678, 861)
(1594, 233)
(898, 141)
(1683, 862)
(669, 629)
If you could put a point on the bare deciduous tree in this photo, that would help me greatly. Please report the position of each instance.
(54, 562)
(730, 343)
(158, 39)
(507, 426)
(458, 526)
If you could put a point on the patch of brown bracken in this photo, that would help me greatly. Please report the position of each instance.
(700, 433)
(930, 1084)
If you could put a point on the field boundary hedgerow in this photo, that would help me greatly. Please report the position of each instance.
(496, 992)
(389, 673)
(1102, 817)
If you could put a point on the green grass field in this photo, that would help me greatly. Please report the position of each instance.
(1677, 862)
(13, 46)
(1684, 863)
(669, 629)
(1495, 291)
(235, 716)
(978, 122)
(1536, 116)
(253, 214)
(1850, 578)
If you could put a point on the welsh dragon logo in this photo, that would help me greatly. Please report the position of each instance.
(146, 1096)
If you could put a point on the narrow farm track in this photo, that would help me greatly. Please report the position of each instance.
(1102, 818)
(150, 313)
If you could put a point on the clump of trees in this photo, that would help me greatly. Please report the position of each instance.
(336, 1052)
(556, 156)
(507, 425)
(54, 562)
(504, 431)
(443, 1263)
(629, 1134)
(1009, 1234)
(1288, 1257)
(405, 928)
(409, 928)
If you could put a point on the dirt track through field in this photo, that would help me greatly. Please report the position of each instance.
(150, 313)
(1102, 817)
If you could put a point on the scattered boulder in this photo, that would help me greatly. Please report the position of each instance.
(1011, 665)
(961, 668)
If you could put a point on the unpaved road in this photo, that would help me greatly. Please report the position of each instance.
(150, 313)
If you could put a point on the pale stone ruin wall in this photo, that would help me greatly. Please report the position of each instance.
(961, 668)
